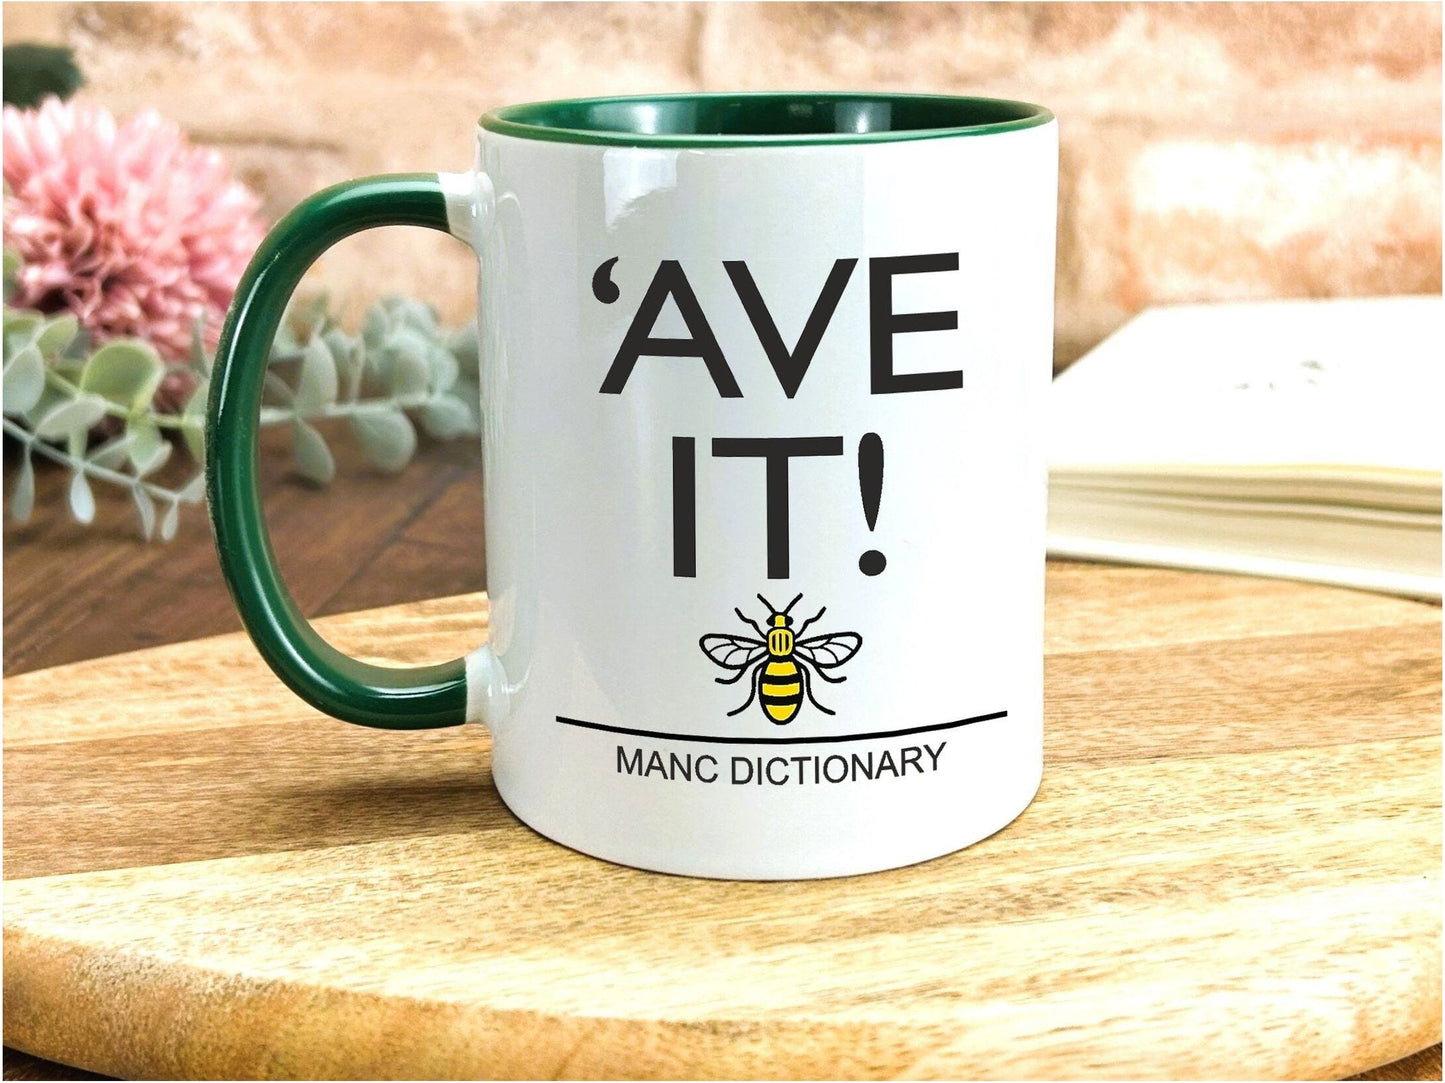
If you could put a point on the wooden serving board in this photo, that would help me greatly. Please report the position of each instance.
(1232, 869)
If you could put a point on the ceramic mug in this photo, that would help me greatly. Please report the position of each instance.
(762, 384)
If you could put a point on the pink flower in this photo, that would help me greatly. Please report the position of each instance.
(126, 225)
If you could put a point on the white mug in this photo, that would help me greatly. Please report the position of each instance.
(762, 387)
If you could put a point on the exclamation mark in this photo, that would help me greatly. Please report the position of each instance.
(870, 485)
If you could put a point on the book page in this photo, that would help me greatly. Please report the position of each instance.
(1310, 384)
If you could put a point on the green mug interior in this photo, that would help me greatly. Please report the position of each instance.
(767, 119)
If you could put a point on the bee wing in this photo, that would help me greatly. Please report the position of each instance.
(828, 651)
(732, 652)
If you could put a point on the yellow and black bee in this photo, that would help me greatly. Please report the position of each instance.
(781, 661)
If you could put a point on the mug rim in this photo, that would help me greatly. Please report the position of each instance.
(557, 120)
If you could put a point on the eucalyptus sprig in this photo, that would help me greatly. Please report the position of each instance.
(103, 413)
(54, 395)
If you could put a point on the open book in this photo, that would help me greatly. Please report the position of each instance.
(1300, 439)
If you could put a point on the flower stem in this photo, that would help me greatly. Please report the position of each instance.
(278, 415)
(102, 473)
(270, 415)
(60, 383)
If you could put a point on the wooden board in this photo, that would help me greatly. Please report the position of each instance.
(1233, 868)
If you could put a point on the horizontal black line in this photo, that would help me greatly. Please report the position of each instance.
(839, 739)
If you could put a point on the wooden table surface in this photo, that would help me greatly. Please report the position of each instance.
(73, 593)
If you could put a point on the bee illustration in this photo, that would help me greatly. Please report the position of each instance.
(781, 662)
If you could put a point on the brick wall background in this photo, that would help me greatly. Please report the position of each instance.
(1210, 151)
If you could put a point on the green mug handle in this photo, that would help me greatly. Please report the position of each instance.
(418, 698)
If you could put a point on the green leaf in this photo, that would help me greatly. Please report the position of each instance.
(339, 343)
(33, 72)
(82, 500)
(162, 457)
(444, 369)
(316, 390)
(315, 314)
(112, 453)
(466, 348)
(194, 491)
(386, 435)
(67, 368)
(406, 369)
(200, 360)
(375, 327)
(169, 521)
(193, 422)
(285, 346)
(22, 501)
(347, 352)
(24, 380)
(410, 375)
(21, 328)
(313, 457)
(446, 418)
(126, 372)
(470, 395)
(149, 450)
(50, 398)
(416, 314)
(58, 334)
(145, 507)
(71, 416)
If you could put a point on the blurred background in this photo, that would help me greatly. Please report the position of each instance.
(1210, 151)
